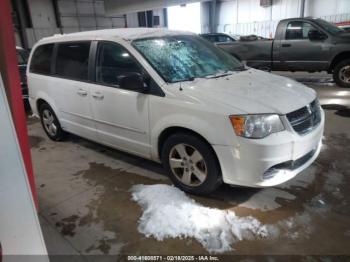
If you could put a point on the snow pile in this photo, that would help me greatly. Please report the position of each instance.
(169, 213)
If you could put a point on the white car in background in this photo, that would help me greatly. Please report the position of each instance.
(175, 98)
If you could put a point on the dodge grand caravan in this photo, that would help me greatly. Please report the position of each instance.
(175, 98)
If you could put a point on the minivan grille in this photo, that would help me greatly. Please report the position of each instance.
(306, 118)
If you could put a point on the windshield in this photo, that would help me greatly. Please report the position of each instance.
(185, 57)
(329, 27)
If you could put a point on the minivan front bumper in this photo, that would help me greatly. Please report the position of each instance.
(270, 161)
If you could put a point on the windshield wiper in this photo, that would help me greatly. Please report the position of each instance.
(241, 68)
(222, 74)
(225, 73)
(190, 79)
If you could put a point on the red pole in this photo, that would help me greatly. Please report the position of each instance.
(10, 75)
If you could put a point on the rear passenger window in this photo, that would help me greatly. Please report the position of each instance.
(41, 60)
(72, 60)
(113, 63)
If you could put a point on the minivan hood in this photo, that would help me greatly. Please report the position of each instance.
(251, 92)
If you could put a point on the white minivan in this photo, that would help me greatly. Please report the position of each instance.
(175, 98)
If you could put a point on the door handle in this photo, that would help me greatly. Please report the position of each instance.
(81, 92)
(98, 96)
(286, 45)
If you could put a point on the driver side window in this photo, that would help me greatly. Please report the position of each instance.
(298, 30)
(113, 63)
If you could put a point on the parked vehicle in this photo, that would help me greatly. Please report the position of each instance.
(346, 28)
(175, 98)
(220, 37)
(22, 57)
(300, 44)
(252, 38)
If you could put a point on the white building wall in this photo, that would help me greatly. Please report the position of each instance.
(326, 7)
(186, 17)
(226, 14)
(204, 17)
(285, 9)
(250, 10)
(248, 17)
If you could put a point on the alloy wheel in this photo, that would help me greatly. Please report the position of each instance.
(49, 122)
(344, 74)
(188, 165)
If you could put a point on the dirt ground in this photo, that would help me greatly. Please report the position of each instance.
(85, 204)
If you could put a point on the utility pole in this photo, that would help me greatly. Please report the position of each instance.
(302, 8)
(212, 16)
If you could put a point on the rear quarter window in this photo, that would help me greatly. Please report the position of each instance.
(41, 60)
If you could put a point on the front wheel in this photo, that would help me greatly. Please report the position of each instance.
(50, 123)
(191, 164)
(341, 73)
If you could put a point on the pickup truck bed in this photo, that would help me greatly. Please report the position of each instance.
(247, 51)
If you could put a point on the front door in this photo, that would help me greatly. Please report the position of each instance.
(298, 52)
(121, 115)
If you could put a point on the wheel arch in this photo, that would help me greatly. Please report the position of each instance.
(42, 98)
(167, 132)
(40, 102)
(339, 57)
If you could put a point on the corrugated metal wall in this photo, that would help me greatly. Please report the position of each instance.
(73, 16)
(84, 15)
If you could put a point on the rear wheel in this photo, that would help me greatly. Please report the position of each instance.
(341, 73)
(50, 123)
(191, 164)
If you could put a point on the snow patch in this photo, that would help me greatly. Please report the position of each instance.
(170, 213)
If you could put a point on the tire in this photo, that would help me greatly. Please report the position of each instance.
(341, 73)
(50, 123)
(191, 153)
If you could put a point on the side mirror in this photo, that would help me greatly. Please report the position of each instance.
(134, 81)
(316, 35)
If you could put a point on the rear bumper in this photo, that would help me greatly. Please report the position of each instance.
(270, 161)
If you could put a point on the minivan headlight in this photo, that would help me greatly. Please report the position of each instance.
(256, 126)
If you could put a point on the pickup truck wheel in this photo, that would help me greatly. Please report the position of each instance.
(191, 164)
(50, 123)
(341, 73)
